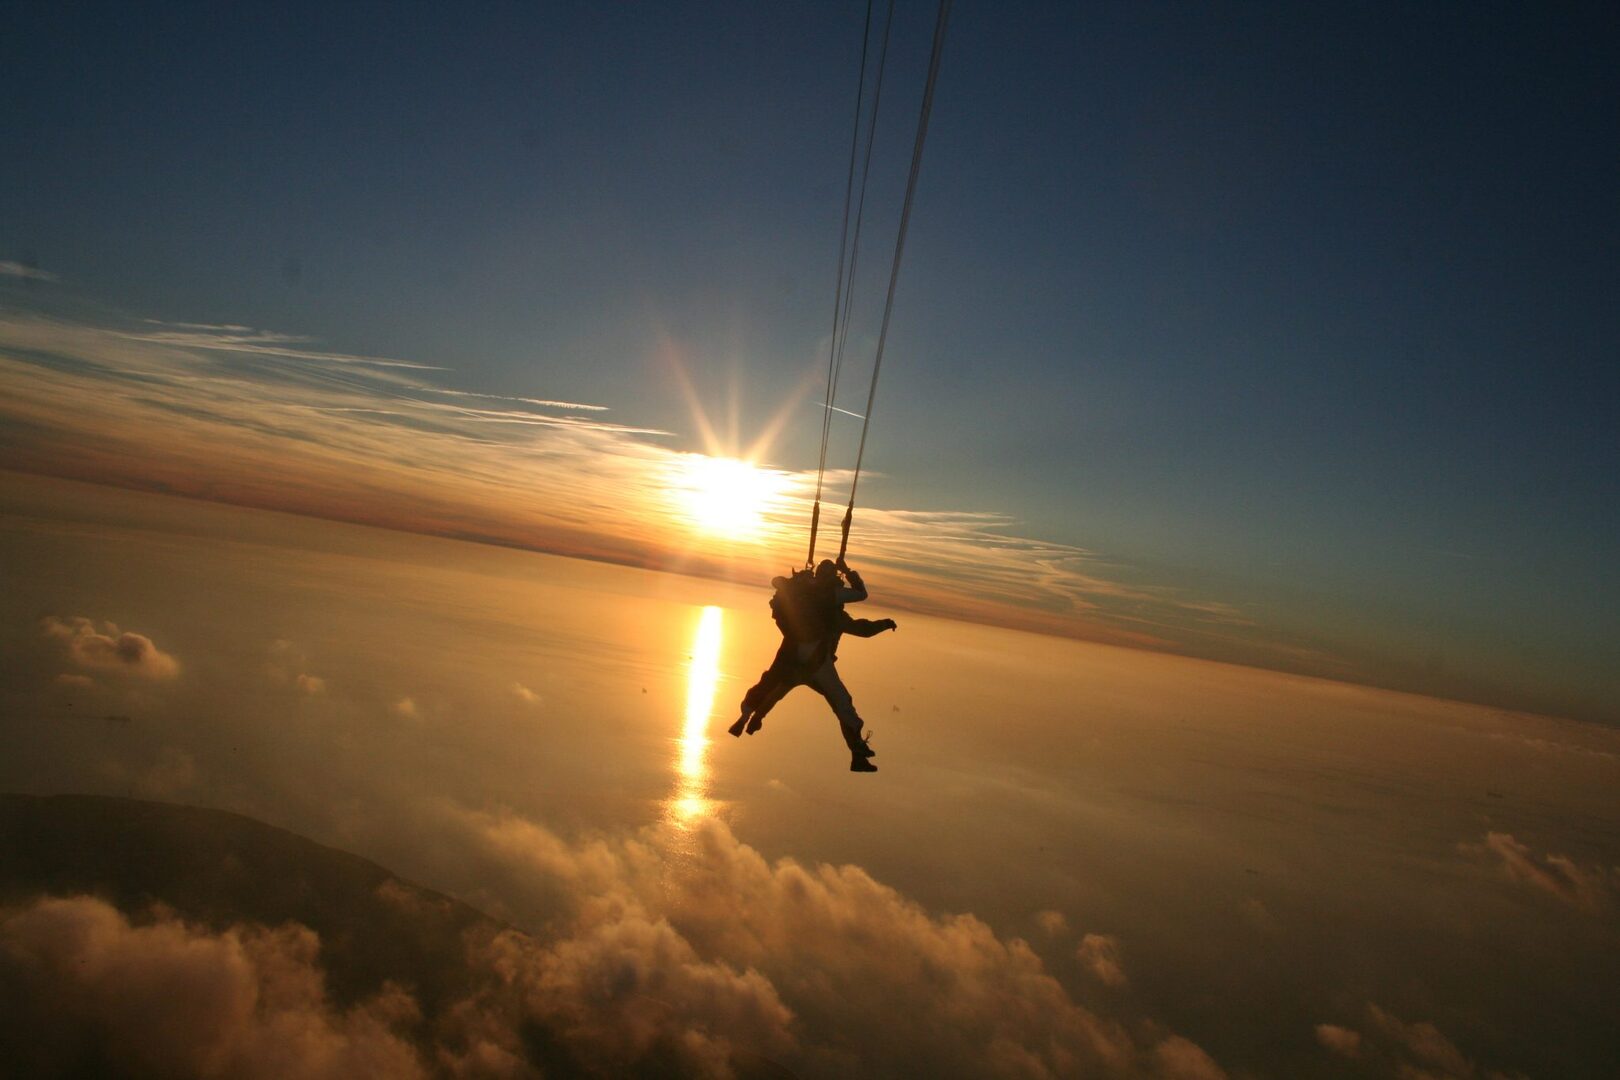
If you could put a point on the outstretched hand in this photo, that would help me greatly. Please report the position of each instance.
(890, 624)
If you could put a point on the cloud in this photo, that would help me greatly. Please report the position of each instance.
(1342, 1041)
(243, 339)
(284, 665)
(24, 271)
(626, 991)
(89, 989)
(1181, 1059)
(1393, 1047)
(111, 649)
(405, 708)
(659, 953)
(1099, 954)
(82, 681)
(525, 695)
(1590, 888)
(1052, 923)
(1422, 1043)
(821, 968)
(266, 419)
(543, 402)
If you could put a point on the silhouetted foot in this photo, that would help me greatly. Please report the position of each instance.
(860, 764)
(755, 723)
(865, 750)
(737, 728)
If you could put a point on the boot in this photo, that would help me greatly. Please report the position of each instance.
(860, 764)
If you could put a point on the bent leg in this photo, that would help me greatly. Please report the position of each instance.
(756, 694)
(767, 702)
(774, 682)
(759, 691)
(827, 683)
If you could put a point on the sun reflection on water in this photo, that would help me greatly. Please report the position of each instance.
(691, 799)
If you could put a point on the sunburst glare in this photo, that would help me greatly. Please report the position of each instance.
(728, 497)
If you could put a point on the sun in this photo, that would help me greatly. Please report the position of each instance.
(728, 497)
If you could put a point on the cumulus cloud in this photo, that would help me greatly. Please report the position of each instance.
(1052, 923)
(525, 695)
(1590, 888)
(285, 664)
(1181, 1059)
(88, 989)
(1341, 1040)
(1422, 1044)
(822, 968)
(108, 648)
(1411, 1051)
(624, 992)
(1099, 954)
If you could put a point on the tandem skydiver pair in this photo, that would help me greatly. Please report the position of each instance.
(808, 607)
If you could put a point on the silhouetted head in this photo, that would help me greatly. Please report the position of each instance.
(826, 571)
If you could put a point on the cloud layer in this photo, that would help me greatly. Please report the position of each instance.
(822, 968)
(266, 419)
(683, 954)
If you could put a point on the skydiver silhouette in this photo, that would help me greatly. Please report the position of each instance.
(809, 610)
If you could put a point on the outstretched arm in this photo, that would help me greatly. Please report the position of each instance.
(865, 627)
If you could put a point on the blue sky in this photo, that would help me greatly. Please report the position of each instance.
(1312, 313)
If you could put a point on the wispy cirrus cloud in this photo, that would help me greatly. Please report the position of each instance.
(232, 338)
(256, 417)
(8, 268)
(520, 400)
